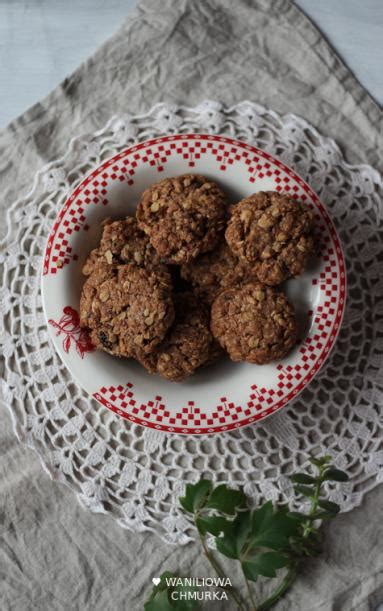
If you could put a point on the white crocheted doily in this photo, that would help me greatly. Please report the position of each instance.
(136, 474)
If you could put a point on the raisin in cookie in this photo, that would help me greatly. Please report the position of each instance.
(183, 217)
(254, 323)
(123, 241)
(272, 232)
(217, 270)
(188, 345)
(126, 308)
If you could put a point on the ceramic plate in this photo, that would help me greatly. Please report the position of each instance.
(224, 396)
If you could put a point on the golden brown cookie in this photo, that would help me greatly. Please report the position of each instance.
(254, 323)
(126, 308)
(123, 241)
(183, 217)
(217, 270)
(273, 233)
(188, 345)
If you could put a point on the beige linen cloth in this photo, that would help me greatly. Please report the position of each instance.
(53, 554)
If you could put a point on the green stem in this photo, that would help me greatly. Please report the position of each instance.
(254, 606)
(278, 592)
(307, 529)
(308, 526)
(219, 571)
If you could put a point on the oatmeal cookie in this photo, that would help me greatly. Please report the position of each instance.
(188, 345)
(183, 216)
(217, 270)
(91, 262)
(126, 308)
(272, 232)
(254, 323)
(123, 242)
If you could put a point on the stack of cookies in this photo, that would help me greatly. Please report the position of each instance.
(191, 278)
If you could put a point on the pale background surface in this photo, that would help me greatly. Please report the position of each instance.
(42, 41)
(53, 554)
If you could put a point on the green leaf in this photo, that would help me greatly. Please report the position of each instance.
(261, 517)
(329, 506)
(227, 546)
(250, 570)
(214, 525)
(302, 478)
(273, 540)
(241, 527)
(226, 499)
(235, 536)
(271, 527)
(335, 475)
(202, 495)
(266, 564)
(305, 490)
(270, 520)
(196, 495)
(320, 461)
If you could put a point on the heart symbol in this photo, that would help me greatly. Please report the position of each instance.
(156, 580)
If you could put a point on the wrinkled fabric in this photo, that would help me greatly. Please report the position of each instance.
(53, 554)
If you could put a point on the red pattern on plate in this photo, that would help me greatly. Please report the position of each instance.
(156, 153)
(69, 327)
(155, 414)
(326, 319)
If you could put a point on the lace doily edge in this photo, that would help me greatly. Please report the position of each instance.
(323, 140)
(54, 473)
(97, 508)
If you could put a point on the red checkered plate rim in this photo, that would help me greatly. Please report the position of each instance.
(225, 396)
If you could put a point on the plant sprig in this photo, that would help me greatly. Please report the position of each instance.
(264, 541)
